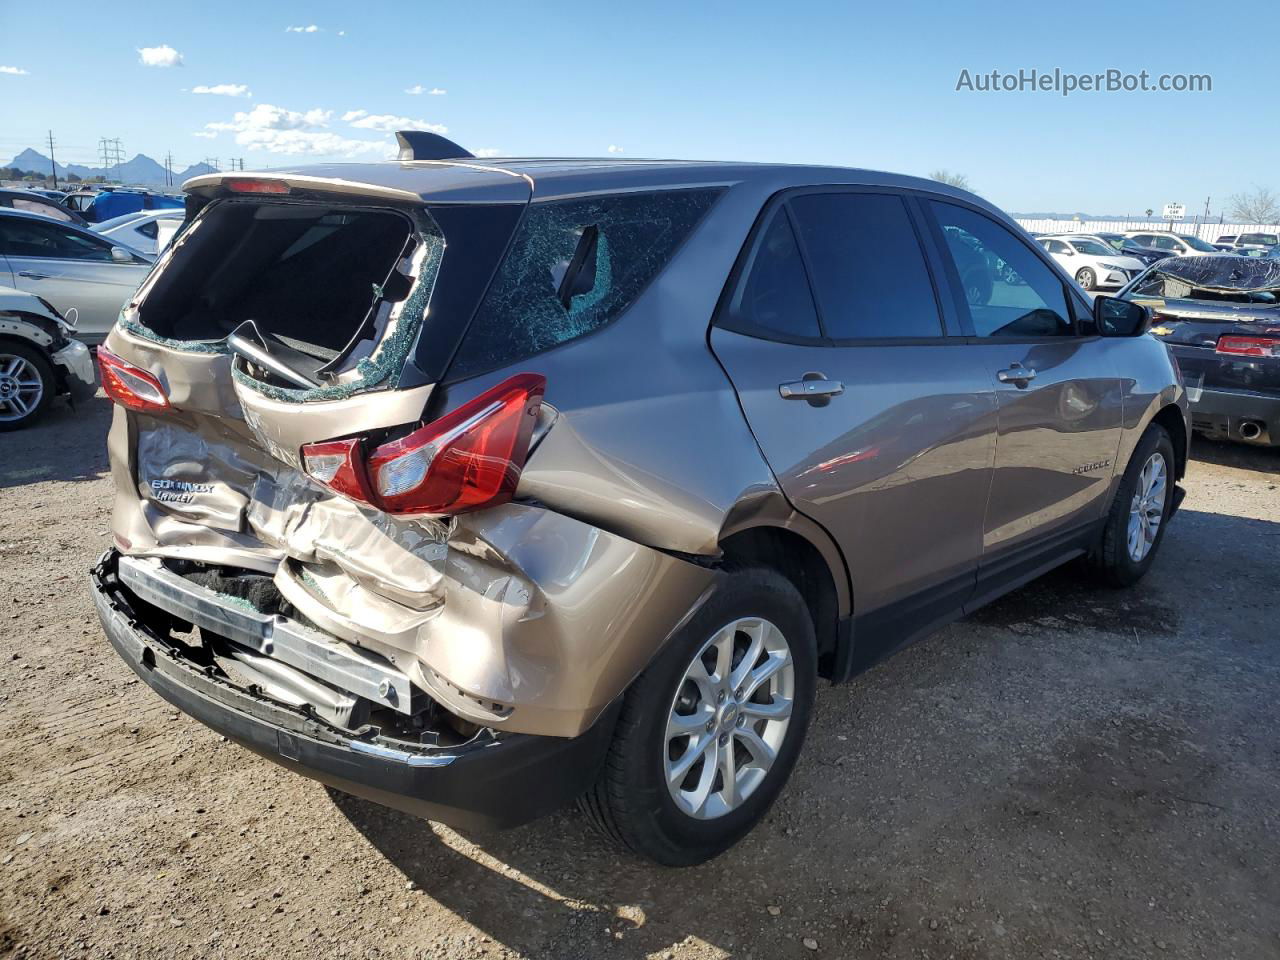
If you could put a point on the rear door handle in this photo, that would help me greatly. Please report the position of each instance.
(807, 389)
(32, 275)
(1017, 374)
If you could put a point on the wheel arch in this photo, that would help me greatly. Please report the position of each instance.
(819, 574)
(1175, 424)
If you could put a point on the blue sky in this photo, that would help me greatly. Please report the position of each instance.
(842, 83)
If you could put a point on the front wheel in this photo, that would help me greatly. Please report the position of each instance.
(1135, 526)
(709, 733)
(1086, 278)
(26, 385)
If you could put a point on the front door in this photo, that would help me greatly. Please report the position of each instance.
(1058, 389)
(71, 269)
(877, 424)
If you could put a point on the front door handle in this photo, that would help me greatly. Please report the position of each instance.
(1017, 374)
(32, 275)
(810, 389)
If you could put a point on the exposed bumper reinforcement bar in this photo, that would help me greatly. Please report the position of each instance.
(356, 671)
(492, 781)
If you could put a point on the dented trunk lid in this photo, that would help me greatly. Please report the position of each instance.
(372, 288)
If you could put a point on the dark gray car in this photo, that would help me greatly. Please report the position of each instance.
(493, 483)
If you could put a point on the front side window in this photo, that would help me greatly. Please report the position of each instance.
(774, 297)
(1091, 248)
(1056, 246)
(574, 266)
(33, 238)
(868, 271)
(1010, 292)
(1195, 243)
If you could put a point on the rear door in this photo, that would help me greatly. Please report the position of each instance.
(876, 421)
(1058, 389)
(71, 269)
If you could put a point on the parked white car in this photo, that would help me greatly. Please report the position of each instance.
(1178, 244)
(39, 359)
(71, 268)
(1093, 263)
(143, 230)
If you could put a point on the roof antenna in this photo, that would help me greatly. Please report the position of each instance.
(421, 145)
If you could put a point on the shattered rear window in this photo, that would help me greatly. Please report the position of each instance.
(523, 312)
(1227, 279)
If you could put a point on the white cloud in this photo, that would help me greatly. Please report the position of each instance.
(309, 28)
(205, 134)
(389, 122)
(342, 33)
(272, 129)
(15, 71)
(417, 89)
(484, 152)
(614, 148)
(224, 90)
(161, 56)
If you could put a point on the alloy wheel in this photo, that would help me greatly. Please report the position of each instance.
(729, 718)
(1146, 510)
(21, 387)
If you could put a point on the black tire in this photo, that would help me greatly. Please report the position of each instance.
(1086, 278)
(1111, 561)
(631, 804)
(36, 361)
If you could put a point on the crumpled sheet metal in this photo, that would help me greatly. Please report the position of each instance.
(545, 619)
(201, 490)
(1242, 274)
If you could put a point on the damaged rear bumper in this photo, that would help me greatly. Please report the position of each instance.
(490, 781)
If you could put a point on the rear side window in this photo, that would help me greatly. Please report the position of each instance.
(630, 238)
(774, 299)
(868, 270)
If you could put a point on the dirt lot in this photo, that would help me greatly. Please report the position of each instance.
(1075, 772)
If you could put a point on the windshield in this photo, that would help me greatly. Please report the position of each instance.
(1091, 247)
(1270, 239)
(1195, 243)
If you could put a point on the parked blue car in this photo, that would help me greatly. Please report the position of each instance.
(115, 203)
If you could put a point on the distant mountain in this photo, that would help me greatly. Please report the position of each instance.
(141, 170)
(1131, 217)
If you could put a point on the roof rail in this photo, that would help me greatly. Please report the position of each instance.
(421, 145)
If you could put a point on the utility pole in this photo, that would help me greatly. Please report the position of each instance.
(168, 169)
(112, 154)
(1206, 209)
(53, 164)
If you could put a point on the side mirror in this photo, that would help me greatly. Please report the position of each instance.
(121, 255)
(1120, 318)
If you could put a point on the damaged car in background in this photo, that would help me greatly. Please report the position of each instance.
(39, 359)
(475, 486)
(1220, 316)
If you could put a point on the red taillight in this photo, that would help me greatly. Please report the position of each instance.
(468, 459)
(1249, 346)
(338, 464)
(248, 185)
(130, 386)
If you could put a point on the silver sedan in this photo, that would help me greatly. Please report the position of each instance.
(86, 276)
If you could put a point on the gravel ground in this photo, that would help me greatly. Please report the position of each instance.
(1074, 772)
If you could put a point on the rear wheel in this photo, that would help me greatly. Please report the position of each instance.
(1086, 278)
(26, 385)
(1140, 512)
(709, 733)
